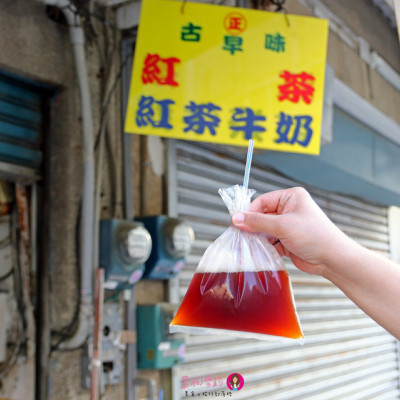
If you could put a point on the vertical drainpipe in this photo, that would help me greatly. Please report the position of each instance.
(77, 40)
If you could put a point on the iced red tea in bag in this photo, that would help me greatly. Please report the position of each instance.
(240, 287)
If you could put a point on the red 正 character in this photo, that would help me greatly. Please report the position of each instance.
(297, 86)
(235, 23)
(159, 70)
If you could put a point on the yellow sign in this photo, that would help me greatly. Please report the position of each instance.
(226, 75)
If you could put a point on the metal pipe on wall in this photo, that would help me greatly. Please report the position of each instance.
(77, 40)
(87, 226)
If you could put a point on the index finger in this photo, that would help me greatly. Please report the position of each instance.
(267, 202)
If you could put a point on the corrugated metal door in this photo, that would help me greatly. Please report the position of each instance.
(346, 355)
(20, 128)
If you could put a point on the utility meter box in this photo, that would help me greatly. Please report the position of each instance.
(124, 248)
(172, 242)
(157, 348)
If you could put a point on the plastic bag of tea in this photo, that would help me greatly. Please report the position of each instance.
(240, 287)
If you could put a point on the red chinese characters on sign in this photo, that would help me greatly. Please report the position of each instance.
(159, 70)
(235, 23)
(296, 87)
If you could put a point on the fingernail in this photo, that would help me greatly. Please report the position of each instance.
(237, 219)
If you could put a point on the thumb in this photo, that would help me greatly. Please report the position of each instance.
(258, 222)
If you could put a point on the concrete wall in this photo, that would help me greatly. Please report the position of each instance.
(367, 22)
(35, 47)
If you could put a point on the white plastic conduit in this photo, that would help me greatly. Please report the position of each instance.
(77, 39)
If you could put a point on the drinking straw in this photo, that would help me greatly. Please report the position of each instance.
(248, 164)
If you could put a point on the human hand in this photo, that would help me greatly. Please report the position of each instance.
(306, 235)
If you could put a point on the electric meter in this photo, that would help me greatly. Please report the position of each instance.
(172, 241)
(124, 248)
(179, 237)
(134, 244)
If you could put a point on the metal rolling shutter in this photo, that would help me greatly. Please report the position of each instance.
(20, 129)
(346, 355)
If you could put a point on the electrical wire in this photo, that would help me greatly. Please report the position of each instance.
(7, 274)
(108, 97)
(110, 46)
(279, 4)
(67, 331)
(265, 4)
(103, 130)
(12, 359)
(21, 321)
(7, 365)
(113, 173)
(3, 243)
(16, 238)
(86, 13)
